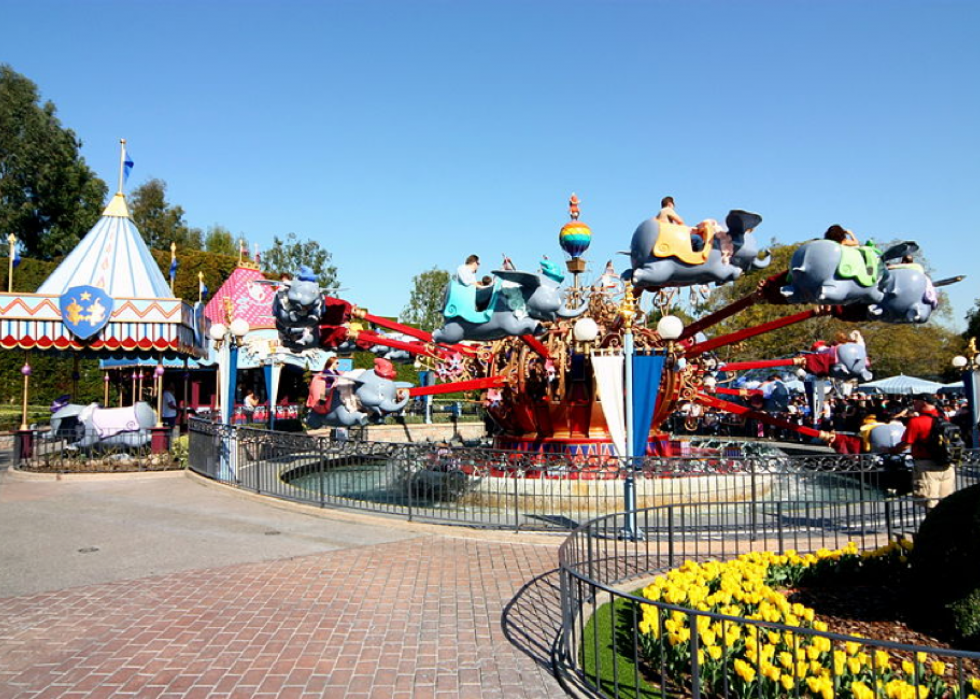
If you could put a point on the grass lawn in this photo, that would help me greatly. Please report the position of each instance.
(607, 643)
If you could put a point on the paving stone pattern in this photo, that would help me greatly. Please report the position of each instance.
(433, 616)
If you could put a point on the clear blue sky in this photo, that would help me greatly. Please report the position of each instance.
(405, 135)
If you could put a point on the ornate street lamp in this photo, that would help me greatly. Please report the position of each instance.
(969, 367)
(227, 340)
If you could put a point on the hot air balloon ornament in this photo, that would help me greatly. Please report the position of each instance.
(575, 237)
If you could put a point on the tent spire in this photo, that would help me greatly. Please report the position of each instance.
(117, 207)
(122, 164)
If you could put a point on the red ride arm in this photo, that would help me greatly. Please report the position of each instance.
(472, 385)
(760, 416)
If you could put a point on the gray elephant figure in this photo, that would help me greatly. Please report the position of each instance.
(359, 397)
(297, 308)
(826, 272)
(909, 296)
(852, 362)
(894, 289)
(665, 254)
(393, 354)
(91, 425)
(516, 304)
(884, 437)
(848, 360)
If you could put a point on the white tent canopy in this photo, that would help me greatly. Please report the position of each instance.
(902, 384)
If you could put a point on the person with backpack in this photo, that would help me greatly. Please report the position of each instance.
(934, 452)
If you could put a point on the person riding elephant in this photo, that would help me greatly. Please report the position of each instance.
(358, 397)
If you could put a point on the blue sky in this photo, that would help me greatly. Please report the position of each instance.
(406, 135)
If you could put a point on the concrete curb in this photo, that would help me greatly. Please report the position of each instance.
(380, 519)
(17, 475)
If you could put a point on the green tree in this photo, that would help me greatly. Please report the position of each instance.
(290, 254)
(159, 222)
(49, 198)
(220, 241)
(973, 322)
(425, 302)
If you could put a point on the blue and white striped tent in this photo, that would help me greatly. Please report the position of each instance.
(146, 319)
(901, 385)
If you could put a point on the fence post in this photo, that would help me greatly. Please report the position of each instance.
(695, 665)
(517, 506)
(321, 467)
(755, 505)
(670, 535)
(406, 469)
(888, 519)
(779, 526)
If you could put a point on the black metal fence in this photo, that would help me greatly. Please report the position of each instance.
(79, 449)
(604, 562)
(482, 487)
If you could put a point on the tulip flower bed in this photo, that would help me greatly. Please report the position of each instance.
(750, 660)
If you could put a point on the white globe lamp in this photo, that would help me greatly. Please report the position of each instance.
(670, 328)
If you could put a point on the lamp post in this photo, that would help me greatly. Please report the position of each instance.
(585, 331)
(628, 310)
(25, 436)
(227, 340)
(969, 367)
(670, 328)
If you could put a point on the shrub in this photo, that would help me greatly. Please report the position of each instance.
(945, 575)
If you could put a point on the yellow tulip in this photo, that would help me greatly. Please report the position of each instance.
(861, 691)
(744, 670)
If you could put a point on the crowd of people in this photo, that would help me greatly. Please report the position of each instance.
(847, 415)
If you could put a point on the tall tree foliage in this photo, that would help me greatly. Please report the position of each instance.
(160, 222)
(917, 350)
(220, 241)
(424, 308)
(287, 256)
(49, 198)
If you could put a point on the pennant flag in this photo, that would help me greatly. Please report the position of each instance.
(203, 289)
(647, 369)
(127, 164)
(16, 259)
(173, 266)
(608, 372)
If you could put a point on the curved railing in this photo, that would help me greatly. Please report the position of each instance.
(482, 487)
(604, 565)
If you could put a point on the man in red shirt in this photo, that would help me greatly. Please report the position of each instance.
(930, 480)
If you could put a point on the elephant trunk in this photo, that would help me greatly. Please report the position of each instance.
(565, 312)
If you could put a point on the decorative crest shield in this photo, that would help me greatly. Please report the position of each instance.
(85, 310)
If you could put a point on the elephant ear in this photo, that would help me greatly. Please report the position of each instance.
(741, 222)
(949, 280)
(527, 280)
(897, 252)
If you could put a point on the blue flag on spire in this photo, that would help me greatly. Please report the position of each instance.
(173, 267)
(203, 289)
(16, 259)
(127, 164)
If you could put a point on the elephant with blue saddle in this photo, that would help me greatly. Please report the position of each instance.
(668, 254)
(515, 304)
(357, 397)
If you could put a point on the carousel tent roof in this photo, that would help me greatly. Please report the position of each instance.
(108, 296)
(248, 298)
(902, 384)
(113, 257)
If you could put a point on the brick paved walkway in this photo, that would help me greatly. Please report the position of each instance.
(430, 616)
